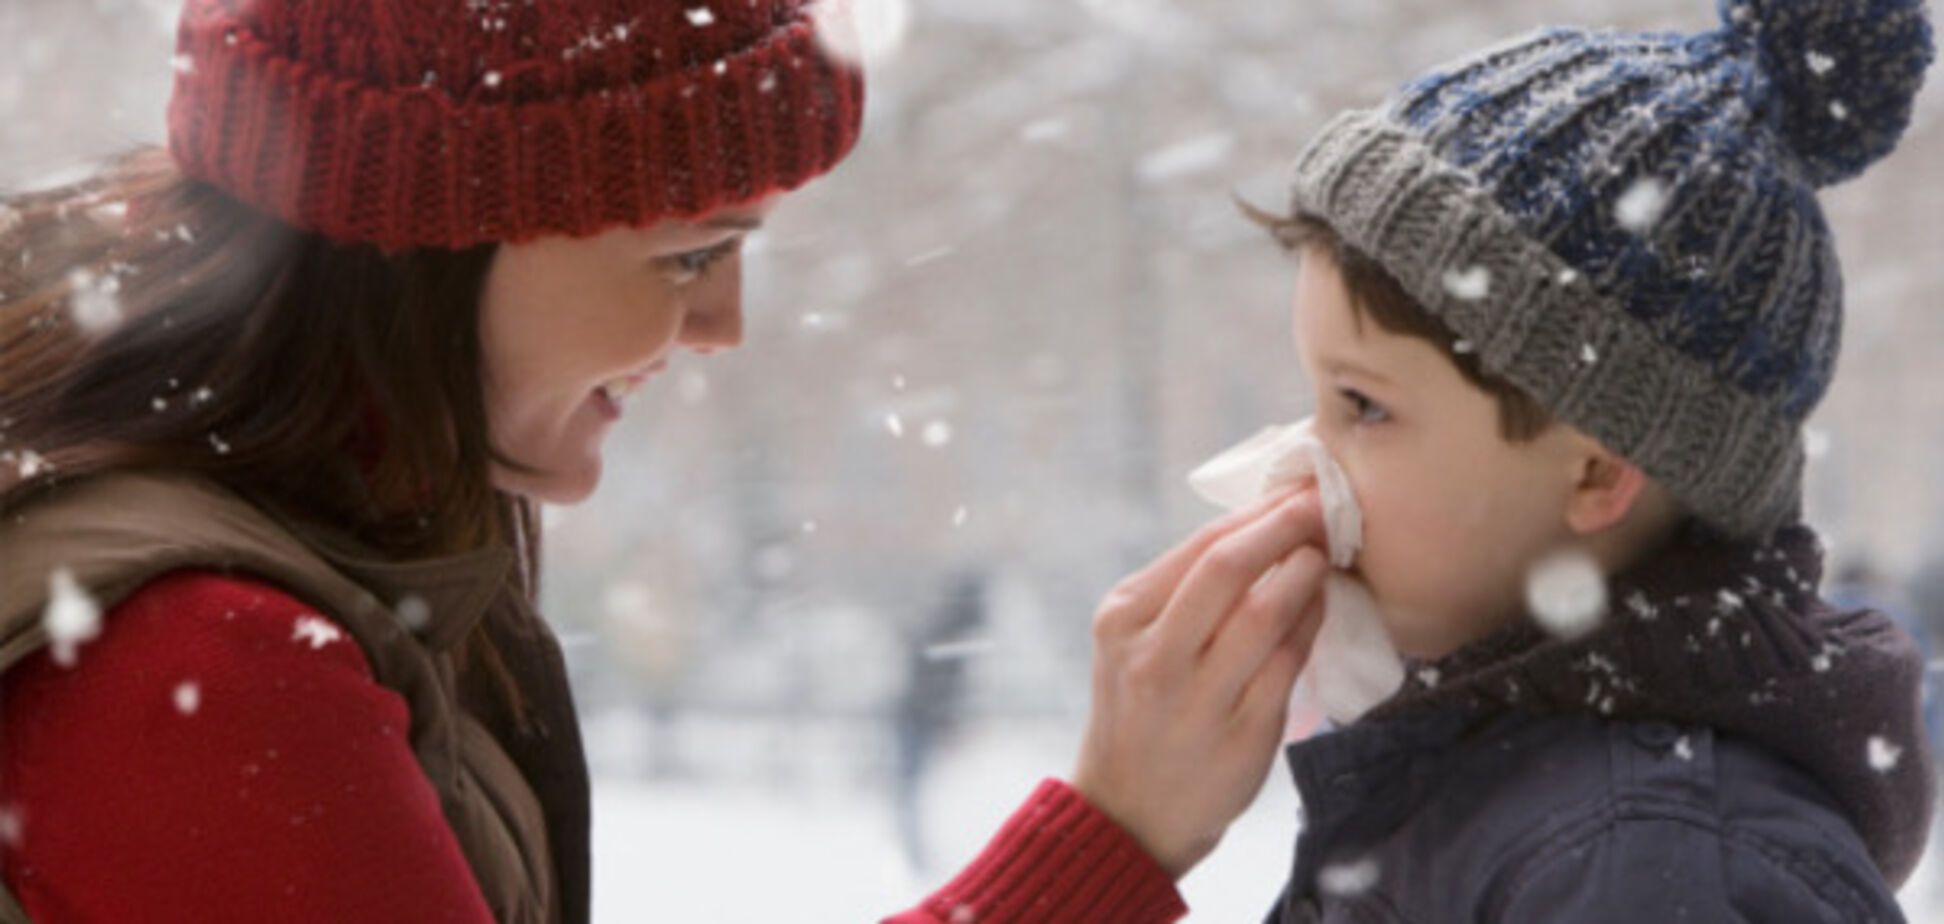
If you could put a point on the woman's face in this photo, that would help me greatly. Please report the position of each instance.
(569, 327)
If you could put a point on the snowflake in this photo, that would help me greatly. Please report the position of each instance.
(895, 424)
(72, 617)
(1683, 749)
(414, 612)
(1344, 879)
(1820, 64)
(31, 464)
(1640, 207)
(1638, 603)
(188, 697)
(1470, 284)
(316, 630)
(94, 301)
(1883, 754)
(1567, 593)
(937, 434)
(1839, 110)
(701, 17)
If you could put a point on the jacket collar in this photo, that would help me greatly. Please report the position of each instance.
(1706, 631)
(457, 590)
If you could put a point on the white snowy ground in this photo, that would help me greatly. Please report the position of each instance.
(826, 852)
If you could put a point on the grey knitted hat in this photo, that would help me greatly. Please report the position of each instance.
(1625, 225)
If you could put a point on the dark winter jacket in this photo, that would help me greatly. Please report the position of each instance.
(1725, 747)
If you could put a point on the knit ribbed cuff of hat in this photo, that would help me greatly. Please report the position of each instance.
(1733, 459)
(415, 166)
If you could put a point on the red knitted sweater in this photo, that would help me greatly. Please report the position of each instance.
(220, 754)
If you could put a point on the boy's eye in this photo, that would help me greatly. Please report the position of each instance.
(693, 265)
(1364, 410)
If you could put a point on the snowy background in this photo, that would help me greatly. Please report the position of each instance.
(828, 614)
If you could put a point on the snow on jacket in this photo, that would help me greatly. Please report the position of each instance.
(1725, 747)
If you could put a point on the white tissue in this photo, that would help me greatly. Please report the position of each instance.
(1352, 666)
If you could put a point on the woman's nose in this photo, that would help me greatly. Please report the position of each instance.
(716, 325)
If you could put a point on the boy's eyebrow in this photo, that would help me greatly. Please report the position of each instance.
(1339, 364)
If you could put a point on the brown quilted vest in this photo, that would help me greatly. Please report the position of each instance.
(517, 801)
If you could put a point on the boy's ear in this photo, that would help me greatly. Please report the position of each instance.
(1605, 490)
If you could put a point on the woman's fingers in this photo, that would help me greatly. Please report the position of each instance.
(1230, 567)
(1274, 610)
(1265, 698)
(1139, 598)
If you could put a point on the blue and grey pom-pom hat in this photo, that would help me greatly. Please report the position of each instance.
(1625, 225)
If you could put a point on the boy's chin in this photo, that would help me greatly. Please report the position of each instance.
(1432, 640)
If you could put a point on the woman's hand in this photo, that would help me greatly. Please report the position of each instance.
(1194, 657)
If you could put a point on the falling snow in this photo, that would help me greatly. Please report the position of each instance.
(93, 300)
(1820, 64)
(1188, 157)
(1470, 284)
(861, 32)
(72, 617)
(1883, 755)
(1640, 207)
(414, 612)
(960, 649)
(895, 424)
(701, 16)
(1567, 593)
(188, 697)
(1346, 879)
(31, 464)
(315, 630)
(1683, 748)
(937, 434)
(1839, 110)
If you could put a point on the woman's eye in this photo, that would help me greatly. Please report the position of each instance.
(693, 265)
(1364, 410)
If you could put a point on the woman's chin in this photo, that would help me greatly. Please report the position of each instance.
(558, 488)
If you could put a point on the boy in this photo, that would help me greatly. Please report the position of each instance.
(1569, 302)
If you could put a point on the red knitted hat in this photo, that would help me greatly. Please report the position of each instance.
(449, 123)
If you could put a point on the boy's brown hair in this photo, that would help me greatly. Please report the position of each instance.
(1378, 295)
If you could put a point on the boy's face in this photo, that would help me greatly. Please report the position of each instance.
(1454, 515)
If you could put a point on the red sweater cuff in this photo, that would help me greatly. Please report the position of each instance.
(1057, 859)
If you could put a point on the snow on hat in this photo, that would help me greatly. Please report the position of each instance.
(407, 123)
(1625, 226)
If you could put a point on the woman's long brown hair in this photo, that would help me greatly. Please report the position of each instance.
(151, 321)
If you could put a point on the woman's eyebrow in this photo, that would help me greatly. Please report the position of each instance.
(741, 223)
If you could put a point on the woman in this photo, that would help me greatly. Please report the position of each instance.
(277, 408)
